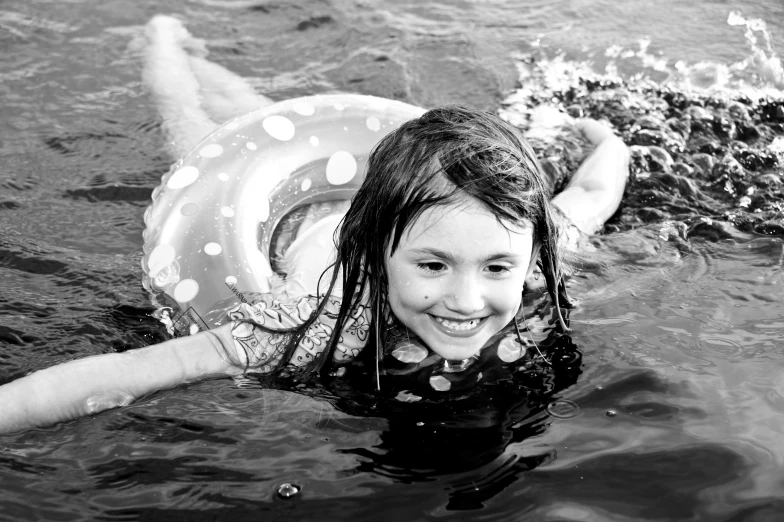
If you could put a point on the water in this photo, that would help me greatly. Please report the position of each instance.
(678, 408)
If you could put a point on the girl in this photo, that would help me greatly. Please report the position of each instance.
(432, 257)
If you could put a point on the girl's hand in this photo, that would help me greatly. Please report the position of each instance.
(594, 131)
(87, 386)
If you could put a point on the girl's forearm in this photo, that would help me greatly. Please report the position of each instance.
(596, 189)
(93, 384)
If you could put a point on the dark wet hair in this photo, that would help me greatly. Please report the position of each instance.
(447, 154)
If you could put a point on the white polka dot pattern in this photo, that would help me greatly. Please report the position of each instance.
(206, 236)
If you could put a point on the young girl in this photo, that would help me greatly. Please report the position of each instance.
(431, 260)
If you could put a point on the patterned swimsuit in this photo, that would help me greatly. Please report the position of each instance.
(405, 356)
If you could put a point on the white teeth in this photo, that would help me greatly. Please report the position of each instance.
(458, 325)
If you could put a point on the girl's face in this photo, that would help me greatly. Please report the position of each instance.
(457, 277)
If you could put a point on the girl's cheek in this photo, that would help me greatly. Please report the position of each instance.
(419, 293)
(508, 299)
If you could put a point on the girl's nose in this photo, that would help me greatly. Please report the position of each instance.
(465, 297)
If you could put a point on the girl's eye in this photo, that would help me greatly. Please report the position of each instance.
(498, 269)
(432, 266)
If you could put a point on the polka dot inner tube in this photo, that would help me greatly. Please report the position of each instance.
(209, 227)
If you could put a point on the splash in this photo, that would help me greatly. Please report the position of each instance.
(706, 139)
(758, 75)
(762, 60)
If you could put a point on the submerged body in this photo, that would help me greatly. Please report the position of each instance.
(452, 218)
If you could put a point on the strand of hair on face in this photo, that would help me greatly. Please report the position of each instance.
(377, 320)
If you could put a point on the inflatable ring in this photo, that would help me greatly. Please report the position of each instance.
(209, 227)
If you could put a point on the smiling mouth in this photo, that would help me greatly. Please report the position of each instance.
(458, 326)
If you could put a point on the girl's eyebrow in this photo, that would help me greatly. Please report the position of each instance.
(449, 257)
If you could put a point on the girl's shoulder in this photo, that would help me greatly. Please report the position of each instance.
(262, 330)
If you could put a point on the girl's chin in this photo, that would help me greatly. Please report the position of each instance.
(452, 353)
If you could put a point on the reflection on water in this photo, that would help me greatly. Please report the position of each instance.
(665, 402)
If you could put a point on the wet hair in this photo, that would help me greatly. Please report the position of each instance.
(448, 154)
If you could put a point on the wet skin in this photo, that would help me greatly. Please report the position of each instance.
(457, 277)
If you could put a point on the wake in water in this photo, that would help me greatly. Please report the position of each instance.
(707, 139)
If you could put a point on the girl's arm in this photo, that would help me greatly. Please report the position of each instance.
(596, 189)
(86, 386)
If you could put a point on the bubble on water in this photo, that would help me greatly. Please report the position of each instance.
(193, 329)
(306, 184)
(227, 211)
(610, 413)
(314, 141)
(251, 146)
(287, 490)
(223, 176)
(563, 409)
(724, 348)
(231, 280)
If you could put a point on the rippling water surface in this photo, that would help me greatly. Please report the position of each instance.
(677, 409)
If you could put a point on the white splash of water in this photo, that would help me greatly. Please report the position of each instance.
(763, 60)
(759, 75)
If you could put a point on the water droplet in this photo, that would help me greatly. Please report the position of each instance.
(287, 490)
(563, 409)
(611, 413)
